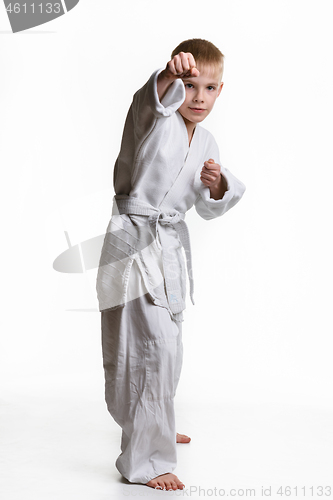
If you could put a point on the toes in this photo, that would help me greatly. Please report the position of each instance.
(173, 485)
(160, 485)
(152, 484)
(167, 485)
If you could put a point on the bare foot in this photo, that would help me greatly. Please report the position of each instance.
(181, 438)
(166, 482)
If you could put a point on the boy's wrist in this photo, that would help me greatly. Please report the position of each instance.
(218, 189)
(167, 75)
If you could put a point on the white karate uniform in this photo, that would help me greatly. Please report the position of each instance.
(141, 281)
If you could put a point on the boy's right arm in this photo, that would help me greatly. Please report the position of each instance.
(151, 106)
(181, 65)
(162, 95)
(159, 98)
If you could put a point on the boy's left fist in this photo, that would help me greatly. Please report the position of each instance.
(210, 174)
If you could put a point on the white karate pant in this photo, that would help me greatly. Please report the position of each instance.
(142, 359)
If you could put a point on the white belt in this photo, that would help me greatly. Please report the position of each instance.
(124, 204)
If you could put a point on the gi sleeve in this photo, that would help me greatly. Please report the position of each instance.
(147, 105)
(207, 207)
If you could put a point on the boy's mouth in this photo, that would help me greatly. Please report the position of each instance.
(197, 110)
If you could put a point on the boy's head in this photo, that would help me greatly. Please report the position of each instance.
(203, 90)
(204, 52)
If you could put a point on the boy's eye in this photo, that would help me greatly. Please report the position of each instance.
(210, 87)
(189, 85)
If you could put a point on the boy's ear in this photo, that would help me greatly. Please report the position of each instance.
(219, 91)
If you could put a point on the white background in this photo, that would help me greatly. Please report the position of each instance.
(256, 388)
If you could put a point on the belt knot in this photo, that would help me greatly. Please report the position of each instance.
(169, 218)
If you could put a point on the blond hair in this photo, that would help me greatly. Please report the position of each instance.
(203, 52)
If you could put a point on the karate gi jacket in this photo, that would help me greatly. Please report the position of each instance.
(156, 180)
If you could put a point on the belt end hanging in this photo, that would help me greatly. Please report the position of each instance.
(192, 299)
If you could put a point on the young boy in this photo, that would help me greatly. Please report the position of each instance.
(167, 164)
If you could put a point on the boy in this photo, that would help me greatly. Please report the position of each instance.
(167, 164)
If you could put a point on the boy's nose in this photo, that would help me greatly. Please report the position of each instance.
(198, 97)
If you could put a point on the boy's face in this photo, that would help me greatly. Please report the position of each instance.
(201, 93)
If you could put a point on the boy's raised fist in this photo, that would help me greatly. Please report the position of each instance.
(182, 65)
